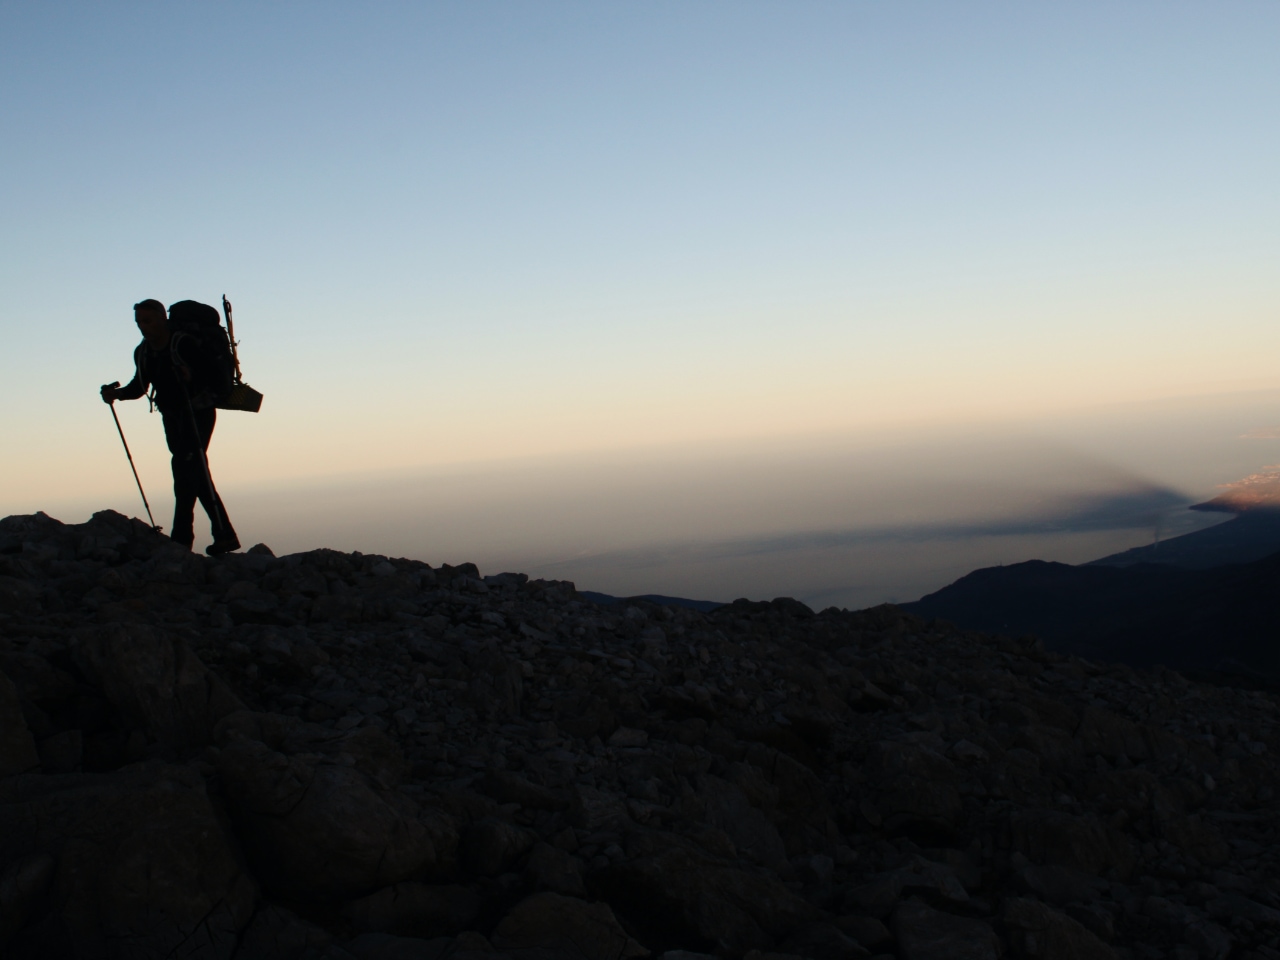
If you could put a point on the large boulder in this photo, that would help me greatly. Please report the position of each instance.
(824, 941)
(924, 933)
(17, 746)
(23, 884)
(801, 794)
(1193, 834)
(249, 603)
(1039, 931)
(320, 830)
(157, 683)
(507, 787)
(1082, 843)
(413, 909)
(370, 750)
(38, 681)
(754, 835)
(126, 847)
(18, 595)
(550, 868)
(570, 927)
(673, 894)
(878, 895)
(277, 934)
(1113, 736)
(497, 685)
(918, 793)
(1059, 885)
(491, 846)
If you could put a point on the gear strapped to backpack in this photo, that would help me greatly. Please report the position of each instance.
(215, 349)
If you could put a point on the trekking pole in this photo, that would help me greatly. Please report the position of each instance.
(120, 430)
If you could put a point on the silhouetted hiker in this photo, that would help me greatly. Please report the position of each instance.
(184, 381)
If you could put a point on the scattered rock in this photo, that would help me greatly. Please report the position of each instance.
(369, 757)
(492, 846)
(278, 934)
(824, 941)
(1064, 839)
(324, 830)
(753, 834)
(507, 787)
(413, 909)
(1042, 932)
(571, 927)
(1060, 885)
(923, 933)
(550, 868)
(868, 931)
(1209, 940)
(678, 894)
(17, 746)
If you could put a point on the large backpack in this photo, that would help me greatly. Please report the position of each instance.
(201, 325)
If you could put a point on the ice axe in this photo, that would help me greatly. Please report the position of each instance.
(120, 430)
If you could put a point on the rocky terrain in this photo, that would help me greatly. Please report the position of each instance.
(341, 756)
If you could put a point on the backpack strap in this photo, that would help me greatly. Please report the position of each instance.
(175, 356)
(139, 372)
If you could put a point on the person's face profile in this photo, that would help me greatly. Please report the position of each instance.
(152, 323)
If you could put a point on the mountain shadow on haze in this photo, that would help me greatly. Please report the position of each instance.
(1224, 618)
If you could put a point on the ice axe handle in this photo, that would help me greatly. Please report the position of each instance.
(231, 338)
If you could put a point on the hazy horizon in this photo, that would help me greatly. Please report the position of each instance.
(845, 520)
(831, 300)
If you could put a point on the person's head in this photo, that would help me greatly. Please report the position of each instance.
(152, 320)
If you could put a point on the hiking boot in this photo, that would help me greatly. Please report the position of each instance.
(185, 541)
(219, 547)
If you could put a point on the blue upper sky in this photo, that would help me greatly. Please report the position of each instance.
(468, 231)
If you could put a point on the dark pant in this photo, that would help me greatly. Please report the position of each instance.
(190, 482)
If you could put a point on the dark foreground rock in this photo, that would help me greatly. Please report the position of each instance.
(342, 756)
(133, 863)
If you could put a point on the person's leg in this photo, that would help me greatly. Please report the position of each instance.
(224, 534)
(178, 437)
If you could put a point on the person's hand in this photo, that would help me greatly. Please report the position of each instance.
(109, 391)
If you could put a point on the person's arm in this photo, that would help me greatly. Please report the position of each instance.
(136, 387)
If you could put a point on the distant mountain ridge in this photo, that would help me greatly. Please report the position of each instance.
(606, 599)
(1208, 600)
(1224, 618)
(1205, 600)
(1250, 536)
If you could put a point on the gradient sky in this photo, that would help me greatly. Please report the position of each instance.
(473, 231)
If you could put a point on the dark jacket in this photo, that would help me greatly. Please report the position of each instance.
(175, 372)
